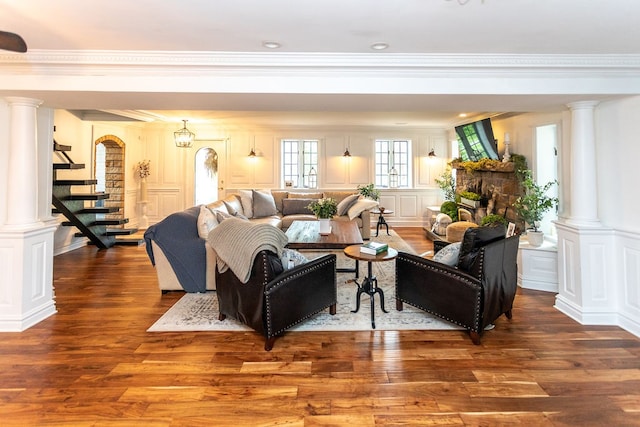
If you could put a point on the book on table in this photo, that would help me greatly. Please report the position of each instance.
(373, 248)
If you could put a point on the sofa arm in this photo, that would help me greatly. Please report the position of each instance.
(299, 293)
(366, 224)
(439, 289)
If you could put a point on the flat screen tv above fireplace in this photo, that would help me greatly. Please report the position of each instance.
(476, 141)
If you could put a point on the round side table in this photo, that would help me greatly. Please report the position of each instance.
(381, 220)
(369, 284)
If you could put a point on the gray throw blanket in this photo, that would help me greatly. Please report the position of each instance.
(236, 243)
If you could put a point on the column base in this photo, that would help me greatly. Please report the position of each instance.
(26, 291)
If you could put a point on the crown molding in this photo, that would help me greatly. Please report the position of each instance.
(53, 61)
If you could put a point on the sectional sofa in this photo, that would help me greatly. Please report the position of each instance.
(183, 259)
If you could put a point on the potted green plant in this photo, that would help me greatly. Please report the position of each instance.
(489, 220)
(324, 210)
(447, 184)
(533, 204)
(470, 198)
(369, 191)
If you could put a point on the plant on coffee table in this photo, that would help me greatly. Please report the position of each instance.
(324, 208)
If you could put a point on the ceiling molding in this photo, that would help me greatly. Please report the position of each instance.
(140, 59)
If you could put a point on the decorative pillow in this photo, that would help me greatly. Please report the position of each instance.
(233, 204)
(305, 195)
(221, 216)
(246, 199)
(296, 206)
(206, 221)
(448, 255)
(346, 203)
(278, 196)
(360, 206)
(263, 204)
(291, 258)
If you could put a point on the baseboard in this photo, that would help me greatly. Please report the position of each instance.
(77, 244)
(597, 318)
(37, 315)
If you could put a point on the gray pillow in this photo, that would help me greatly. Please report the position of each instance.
(296, 206)
(263, 204)
(221, 216)
(346, 203)
(448, 255)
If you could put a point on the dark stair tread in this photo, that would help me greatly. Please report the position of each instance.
(120, 241)
(75, 182)
(68, 165)
(120, 231)
(60, 147)
(98, 222)
(99, 210)
(86, 196)
(94, 210)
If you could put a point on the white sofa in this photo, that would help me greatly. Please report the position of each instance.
(184, 260)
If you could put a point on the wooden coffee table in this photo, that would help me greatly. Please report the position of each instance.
(306, 235)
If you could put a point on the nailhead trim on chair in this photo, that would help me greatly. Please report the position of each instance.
(476, 320)
(279, 283)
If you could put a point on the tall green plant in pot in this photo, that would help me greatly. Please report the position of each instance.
(533, 204)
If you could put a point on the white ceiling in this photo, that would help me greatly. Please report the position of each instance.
(494, 27)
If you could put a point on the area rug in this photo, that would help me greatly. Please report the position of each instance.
(199, 311)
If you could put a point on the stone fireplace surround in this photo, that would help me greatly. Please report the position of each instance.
(499, 188)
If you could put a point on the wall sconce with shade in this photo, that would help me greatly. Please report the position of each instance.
(432, 154)
(252, 153)
(346, 153)
(184, 137)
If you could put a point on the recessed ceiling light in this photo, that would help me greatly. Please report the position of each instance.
(462, 115)
(379, 46)
(271, 45)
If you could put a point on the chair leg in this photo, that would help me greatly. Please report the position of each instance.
(268, 344)
(221, 316)
(509, 314)
(475, 337)
(398, 305)
(332, 309)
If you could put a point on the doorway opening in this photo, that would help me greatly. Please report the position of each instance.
(109, 172)
(206, 176)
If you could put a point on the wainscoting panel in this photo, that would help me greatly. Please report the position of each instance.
(628, 266)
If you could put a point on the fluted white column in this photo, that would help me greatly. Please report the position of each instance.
(23, 163)
(584, 199)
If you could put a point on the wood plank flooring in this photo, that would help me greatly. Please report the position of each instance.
(94, 364)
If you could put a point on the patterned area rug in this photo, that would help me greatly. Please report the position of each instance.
(199, 312)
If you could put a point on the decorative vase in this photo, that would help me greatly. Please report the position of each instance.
(325, 225)
(536, 238)
(143, 189)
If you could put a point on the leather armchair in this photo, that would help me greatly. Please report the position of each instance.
(274, 300)
(472, 294)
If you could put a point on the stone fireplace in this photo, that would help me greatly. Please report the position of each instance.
(498, 187)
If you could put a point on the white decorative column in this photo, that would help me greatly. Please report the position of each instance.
(26, 243)
(587, 288)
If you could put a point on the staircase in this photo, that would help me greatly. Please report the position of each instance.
(89, 220)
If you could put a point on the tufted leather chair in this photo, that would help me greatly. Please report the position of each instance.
(472, 294)
(274, 300)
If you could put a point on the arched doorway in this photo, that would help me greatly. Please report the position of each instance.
(109, 172)
(206, 176)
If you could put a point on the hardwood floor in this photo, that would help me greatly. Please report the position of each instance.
(93, 363)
